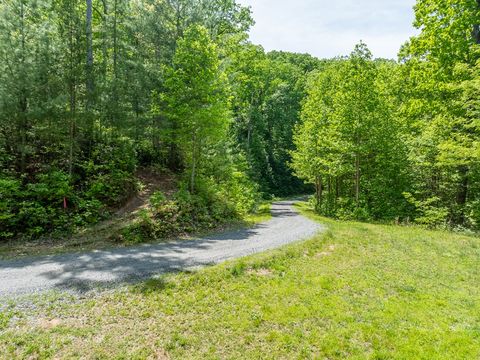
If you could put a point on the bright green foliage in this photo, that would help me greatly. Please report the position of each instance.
(92, 90)
(348, 143)
(197, 99)
(449, 28)
(440, 73)
(400, 140)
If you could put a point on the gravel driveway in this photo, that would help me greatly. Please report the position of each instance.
(82, 271)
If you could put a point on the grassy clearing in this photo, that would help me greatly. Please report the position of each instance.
(358, 291)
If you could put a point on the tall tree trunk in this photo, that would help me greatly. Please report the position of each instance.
(72, 131)
(329, 194)
(249, 134)
(357, 179)
(115, 40)
(462, 193)
(73, 96)
(23, 131)
(337, 188)
(89, 69)
(194, 163)
(23, 101)
(115, 60)
(105, 38)
(476, 28)
(319, 191)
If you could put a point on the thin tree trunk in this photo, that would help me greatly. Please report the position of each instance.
(329, 194)
(194, 163)
(72, 91)
(115, 57)
(89, 64)
(357, 179)
(250, 124)
(105, 38)
(319, 191)
(337, 188)
(115, 50)
(462, 193)
(71, 133)
(476, 28)
(249, 133)
(23, 132)
(23, 102)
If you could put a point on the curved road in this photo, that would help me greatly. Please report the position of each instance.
(82, 271)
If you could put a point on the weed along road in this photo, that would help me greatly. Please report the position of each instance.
(83, 271)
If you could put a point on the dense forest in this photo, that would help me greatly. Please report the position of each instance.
(92, 91)
(387, 140)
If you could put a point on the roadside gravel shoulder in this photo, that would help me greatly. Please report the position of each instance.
(80, 272)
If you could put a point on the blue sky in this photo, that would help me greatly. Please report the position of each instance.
(327, 28)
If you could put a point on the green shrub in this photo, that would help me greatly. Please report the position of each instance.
(51, 187)
(9, 195)
(143, 230)
(473, 214)
(168, 219)
(157, 199)
(186, 212)
(89, 211)
(35, 206)
(428, 212)
(147, 155)
(112, 189)
(241, 192)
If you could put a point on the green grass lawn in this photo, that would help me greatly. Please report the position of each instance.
(358, 291)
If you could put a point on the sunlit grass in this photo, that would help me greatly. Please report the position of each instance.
(261, 214)
(357, 291)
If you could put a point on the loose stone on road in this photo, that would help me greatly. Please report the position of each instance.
(82, 271)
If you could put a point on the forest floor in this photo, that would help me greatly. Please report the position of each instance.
(356, 291)
(102, 235)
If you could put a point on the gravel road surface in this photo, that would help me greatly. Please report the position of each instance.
(84, 271)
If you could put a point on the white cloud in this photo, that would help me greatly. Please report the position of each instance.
(328, 28)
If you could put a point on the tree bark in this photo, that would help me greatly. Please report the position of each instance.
(462, 193)
(89, 64)
(319, 191)
(476, 28)
(23, 100)
(73, 96)
(357, 179)
(115, 57)
(115, 41)
(105, 38)
(194, 163)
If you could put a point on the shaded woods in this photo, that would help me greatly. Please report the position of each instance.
(92, 90)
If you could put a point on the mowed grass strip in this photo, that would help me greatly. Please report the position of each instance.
(358, 291)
